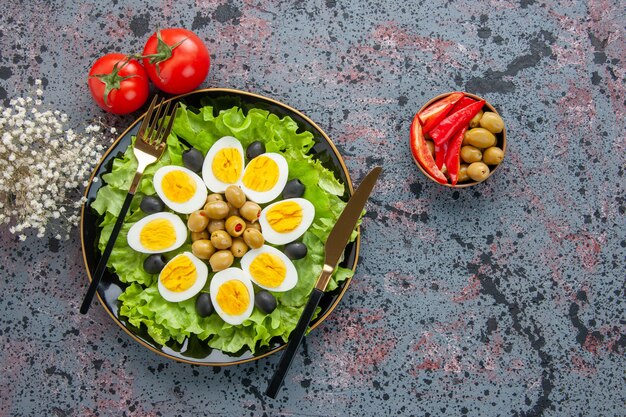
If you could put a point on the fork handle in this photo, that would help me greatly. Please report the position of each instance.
(97, 276)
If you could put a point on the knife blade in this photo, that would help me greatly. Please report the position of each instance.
(334, 248)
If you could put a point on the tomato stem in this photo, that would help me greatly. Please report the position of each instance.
(162, 54)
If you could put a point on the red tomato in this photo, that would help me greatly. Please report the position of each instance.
(118, 85)
(176, 60)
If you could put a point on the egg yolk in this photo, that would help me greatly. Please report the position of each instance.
(261, 174)
(285, 217)
(179, 274)
(233, 297)
(158, 234)
(178, 186)
(268, 270)
(226, 165)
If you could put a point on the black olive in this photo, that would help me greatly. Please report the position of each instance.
(293, 189)
(295, 250)
(255, 149)
(204, 306)
(153, 264)
(265, 301)
(151, 204)
(193, 159)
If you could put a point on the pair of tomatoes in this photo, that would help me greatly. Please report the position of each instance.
(175, 60)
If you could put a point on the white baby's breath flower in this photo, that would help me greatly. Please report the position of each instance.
(35, 146)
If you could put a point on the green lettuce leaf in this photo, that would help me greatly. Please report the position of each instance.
(163, 319)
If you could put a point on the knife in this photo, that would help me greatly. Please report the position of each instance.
(335, 245)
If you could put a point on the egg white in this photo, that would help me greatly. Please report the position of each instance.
(133, 235)
(277, 238)
(216, 282)
(291, 276)
(202, 272)
(196, 202)
(262, 197)
(211, 181)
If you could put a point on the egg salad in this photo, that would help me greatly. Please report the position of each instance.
(225, 249)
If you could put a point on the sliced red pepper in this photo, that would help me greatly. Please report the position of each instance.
(440, 154)
(455, 122)
(436, 112)
(421, 154)
(453, 156)
(461, 104)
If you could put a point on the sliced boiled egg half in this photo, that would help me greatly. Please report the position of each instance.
(285, 221)
(181, 189)
(223, 164)
(232, 295)
(182, 277)
(270, 269)
(157, 233)
(265, 177)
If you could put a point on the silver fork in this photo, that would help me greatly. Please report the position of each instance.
(149, 146)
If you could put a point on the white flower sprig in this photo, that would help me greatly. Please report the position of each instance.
(43, 165)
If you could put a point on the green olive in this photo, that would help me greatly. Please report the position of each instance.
(478, 171)
(239, 247)
(253, 238)
(216, 209)
(214, 197)
(221, 260)
(197, 221)
(203, 248)
(493, 155)
(232, 210)
(471, 154)
(476, 119)
(492, 122)
(250, 211)
(431, 147)
(235, 226)
(221, 240)
(462, 175)
(480, 137)
(215, 225)
(199, 235)
(235, 196)
(255, 225)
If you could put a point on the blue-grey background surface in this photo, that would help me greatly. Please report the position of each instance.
(503, 299)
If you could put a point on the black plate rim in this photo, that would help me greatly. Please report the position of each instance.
(318, 321)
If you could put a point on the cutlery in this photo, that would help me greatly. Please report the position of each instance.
(149, 146)
(334, 248)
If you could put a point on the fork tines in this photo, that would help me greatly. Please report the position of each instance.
(154, 130)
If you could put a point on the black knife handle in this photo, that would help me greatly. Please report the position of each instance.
(294, 343)
(97, 276)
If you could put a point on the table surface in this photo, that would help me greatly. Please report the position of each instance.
(506, 298)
